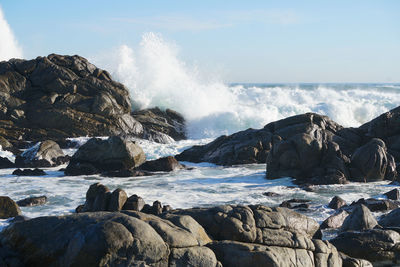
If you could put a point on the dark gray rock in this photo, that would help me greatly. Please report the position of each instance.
(160, 126)
(8, 208)
(112, 154)
(42, 154)
(249, 146)
(376, 204)
(375, 245)
(117, 200)
(393, 194)
(360, 219)
(5, 163)
(391, 219)
(271, 194)
(32, 201)
(29, 172)
(134, 202)
(166, 164)
(55, 97)
(336, 203)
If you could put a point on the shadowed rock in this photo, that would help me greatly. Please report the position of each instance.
(32, 201)
(360, 219)
(8, 208)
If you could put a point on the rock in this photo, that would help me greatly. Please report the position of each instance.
(335, 221)
(125, 173)
(87, 239)
(158, 125)
(97, 198)
(5, 163)
(56, 97)
(42, 154)
(135, 203)
(391, 219)
(375, 245)
(376, 204)
(112, 154)
(8, 208)
(156, 209)
(232, 253)
(360, 219)
(250, 146)
(271, 194)
(393, 194)
(118, 199)
(336, 203)
(32, 201)
(29, 172)
(353, 262)
(166, 164)
(369, 162)
(195, 256)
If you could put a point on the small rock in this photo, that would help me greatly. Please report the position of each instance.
(5, 163)
(134, 202)
(335, 221)
(8, 208)
(117, 200)
(336, 203)
(156, 209)
(271, 194)
(166, 208)
(29, 172)
(393, 194)
(32, 201)
(166, 164)
(43, 154)
(126, 173)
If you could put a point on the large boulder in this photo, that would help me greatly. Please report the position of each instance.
(55, 97)
(8, 208)
(249, 146)
(110, 239)
(161, 126)
(98, 155)
(166, 164)
(360, 219)
(43, 154)
(335, 221)
(391, 219)
(376, 245)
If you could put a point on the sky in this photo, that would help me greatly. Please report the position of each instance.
(239, 41)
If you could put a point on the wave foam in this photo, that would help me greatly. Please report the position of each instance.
(9, 47)
(156, 76)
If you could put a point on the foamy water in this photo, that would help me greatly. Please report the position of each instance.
(156, 76)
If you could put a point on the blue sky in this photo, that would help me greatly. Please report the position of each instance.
(244, 41)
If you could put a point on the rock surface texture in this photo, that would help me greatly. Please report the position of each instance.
(312, 148)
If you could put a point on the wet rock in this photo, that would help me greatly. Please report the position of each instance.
(158, 125)
(32, 201)
(393, 194)
(336, 203)
(295, 203)
(5, 163)
(166, 164)
(360, 219)
(134, 202)
(249, 146)
(271, 194)
(375, 245)
(42, 154)
(29, 172)
(126, 173)
(335, 221)
(369, 162)
(112, 154)
(8, 208)
(56, 97)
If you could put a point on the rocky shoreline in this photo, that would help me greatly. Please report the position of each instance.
(49, 99)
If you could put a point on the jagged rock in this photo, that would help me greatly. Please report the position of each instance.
(55, 97)
(112, 154)
(29, 172)
(5, 163)
(232, 253)
(32, 201)
(369, 162)
(160, 125)
(393, 194)
(42, 154)
(336, 203)
(166, 164)
(335, 221)
(134, 202)
(249, 146)
(8, 208)
(375, 245)
(391, 219)
(271, 194)
(360, 219)
(376, 204)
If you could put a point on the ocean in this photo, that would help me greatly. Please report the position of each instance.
(244, 106)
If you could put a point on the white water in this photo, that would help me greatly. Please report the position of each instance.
(9, 47)
(156, 76)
